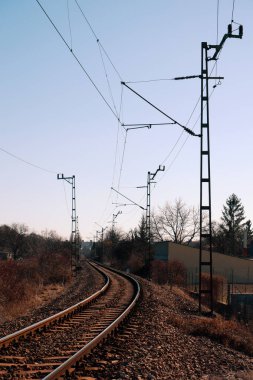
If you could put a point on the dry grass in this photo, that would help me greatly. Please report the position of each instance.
(39, 297)
(26, 284)
(229, 333)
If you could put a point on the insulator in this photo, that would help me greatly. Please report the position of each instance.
(229, 28)
(240, 30)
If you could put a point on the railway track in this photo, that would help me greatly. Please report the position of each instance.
(54, 347)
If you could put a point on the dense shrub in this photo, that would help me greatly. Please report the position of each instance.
(54, 267)
(13, 284)
(159, 271)
(21, 280)
(177, 273)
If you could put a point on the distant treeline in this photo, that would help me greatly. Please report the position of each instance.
(16, 242)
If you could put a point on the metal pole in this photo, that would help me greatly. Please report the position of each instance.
(148, 259)
(102, 237)
(205, 172)
(205, 186)
(73, 235)
(74, 254)
(150, 178)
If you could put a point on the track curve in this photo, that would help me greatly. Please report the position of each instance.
(53, 350)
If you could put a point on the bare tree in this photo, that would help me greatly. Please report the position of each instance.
(176, 222)
(13, 238)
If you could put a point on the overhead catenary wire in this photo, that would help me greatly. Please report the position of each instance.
(97, 39)
(27, 162)
(66, 202)
(217, 21)
(108, 82)
(149, 80)
(163, 79)
(182, 133)
(122, 159)
(70, 31)
(117, 140)
(217, 36)
(77, 59)
(101, 49)
(188, 121)
(186, 129)
(179, 151)
(115, 113)
(179, 138)
(233, 8)
(115, 159)
(103, 218)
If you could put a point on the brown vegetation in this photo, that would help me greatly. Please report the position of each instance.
(20, 281)
(173, 272)
(229, 333)
(177, 273)
(159, 271)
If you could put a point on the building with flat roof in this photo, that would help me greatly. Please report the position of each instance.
(234, 269)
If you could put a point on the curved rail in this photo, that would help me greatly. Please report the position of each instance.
(5, 341)
(78, 330)
(73, 360)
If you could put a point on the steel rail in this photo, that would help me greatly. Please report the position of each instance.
(5, 341)
(65, 367)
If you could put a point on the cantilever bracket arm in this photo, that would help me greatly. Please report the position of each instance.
(225, 37)
(160, 169)
(134, 203)
(67, 179)
(162, 112)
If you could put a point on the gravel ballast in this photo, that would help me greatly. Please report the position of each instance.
(151, 346)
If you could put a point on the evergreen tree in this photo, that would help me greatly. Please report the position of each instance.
(232, 225)
(248, 226)
(140, 233)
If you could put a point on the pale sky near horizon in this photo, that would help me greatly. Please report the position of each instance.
(53, 117)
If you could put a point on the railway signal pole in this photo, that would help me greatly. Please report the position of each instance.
(74, 242)
(205, 260)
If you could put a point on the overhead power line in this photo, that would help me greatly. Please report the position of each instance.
(164, 79)
(233, 8)
(108, 82)
(97, 39)
(101, 51)
(77, 59)
(122, 160)
(27, 162)
(70, 31)
(150, 80)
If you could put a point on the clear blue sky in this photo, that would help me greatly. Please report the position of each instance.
(53, 117)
